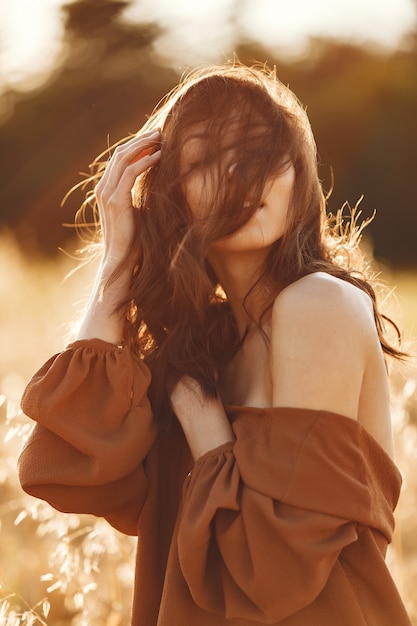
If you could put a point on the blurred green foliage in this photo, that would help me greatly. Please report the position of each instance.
(362, 104)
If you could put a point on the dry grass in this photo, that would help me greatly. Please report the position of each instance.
(72, 570)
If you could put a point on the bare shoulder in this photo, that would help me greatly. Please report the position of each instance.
(320, 293)
(323, 339)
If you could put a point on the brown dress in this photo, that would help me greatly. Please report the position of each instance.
(288, 525)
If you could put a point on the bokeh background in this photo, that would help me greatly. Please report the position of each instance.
(76, 77)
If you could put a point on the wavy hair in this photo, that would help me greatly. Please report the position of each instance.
(177, 315)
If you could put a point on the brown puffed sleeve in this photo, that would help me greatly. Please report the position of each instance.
(265, 518)
(94, 429)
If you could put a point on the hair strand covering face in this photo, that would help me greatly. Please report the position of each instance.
(249, 127)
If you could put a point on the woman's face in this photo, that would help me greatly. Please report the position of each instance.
(268, 224)
(201, 184)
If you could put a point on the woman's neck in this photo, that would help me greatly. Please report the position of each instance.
(238, 273)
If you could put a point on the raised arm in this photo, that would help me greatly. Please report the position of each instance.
(94, 420)
(114, 200)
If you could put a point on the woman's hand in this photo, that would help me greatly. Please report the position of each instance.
(202, 418)
(114, 192)
(102, 320)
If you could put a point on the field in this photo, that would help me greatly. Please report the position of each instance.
(71, 570)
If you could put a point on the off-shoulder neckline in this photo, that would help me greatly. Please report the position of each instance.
(235, 408)
(353, 424)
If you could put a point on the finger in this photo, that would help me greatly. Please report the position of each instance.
(146, 158)
(132, 145)
(125, 153)
(141, 149)
(134, 151)
(120, 194)
(139, 156)
(127, 179)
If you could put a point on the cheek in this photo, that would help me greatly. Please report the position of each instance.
(280, 193)
(192, 191)
(198, 193)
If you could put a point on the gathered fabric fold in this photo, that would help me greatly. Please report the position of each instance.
(287, 525)
(265, 518)
(94, 419)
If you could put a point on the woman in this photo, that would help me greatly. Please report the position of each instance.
(226, 398)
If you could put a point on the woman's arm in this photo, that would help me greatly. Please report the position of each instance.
(322, 333)
(326, 354)
(94, 420)
(202, 419)
(114, 200)
(94, 428)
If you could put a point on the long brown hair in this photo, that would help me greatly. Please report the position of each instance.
(177, 316)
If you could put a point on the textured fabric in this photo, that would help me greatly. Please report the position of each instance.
(287, 525)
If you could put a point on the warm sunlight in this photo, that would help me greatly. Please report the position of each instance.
(30, 31)
(231, 204)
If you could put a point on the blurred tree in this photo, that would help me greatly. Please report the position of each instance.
(105, 83)
(362, 106)
(361, 103)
